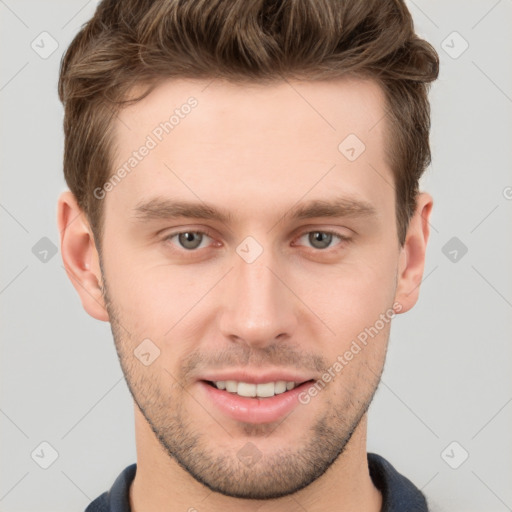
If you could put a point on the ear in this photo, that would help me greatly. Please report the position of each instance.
(412, 255)
(80, 256)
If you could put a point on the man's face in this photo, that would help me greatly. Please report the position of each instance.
(261, 295)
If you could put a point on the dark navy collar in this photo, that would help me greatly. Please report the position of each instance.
(118, 498)
(399, 494)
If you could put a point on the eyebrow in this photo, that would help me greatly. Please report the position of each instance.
(167, 209)
(160, 208)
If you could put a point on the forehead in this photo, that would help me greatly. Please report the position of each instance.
(233, 143)
(334, 105)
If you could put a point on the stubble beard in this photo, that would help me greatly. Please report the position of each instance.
(282, 472)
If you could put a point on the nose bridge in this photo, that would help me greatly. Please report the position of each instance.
(257, 307)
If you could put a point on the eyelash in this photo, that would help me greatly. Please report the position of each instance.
(343, 238)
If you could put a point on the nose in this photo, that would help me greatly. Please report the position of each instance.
(258, 306)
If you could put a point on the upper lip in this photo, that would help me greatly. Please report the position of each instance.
(256, 377)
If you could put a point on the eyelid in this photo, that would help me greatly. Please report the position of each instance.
(341, 236)
(172, 234)
(209, 234)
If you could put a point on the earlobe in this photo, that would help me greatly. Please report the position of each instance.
(412, 255)
(80, 256)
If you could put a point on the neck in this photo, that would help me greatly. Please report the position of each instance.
(160, 484)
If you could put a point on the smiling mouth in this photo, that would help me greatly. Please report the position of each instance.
(251, 390)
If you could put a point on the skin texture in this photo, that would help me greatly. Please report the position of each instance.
(256, 152)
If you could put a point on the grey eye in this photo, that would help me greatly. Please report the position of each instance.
(320, 239)
(190, 240)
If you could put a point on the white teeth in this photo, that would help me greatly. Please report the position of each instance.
(280, 386)
(262, 390)
(231, 386)
(245, 389)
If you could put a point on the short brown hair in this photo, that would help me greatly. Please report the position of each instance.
(128, 43)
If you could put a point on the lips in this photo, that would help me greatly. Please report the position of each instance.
(254, 399)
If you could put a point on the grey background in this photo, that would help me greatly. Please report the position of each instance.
(447, 376)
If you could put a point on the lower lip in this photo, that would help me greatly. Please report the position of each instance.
(254, 410)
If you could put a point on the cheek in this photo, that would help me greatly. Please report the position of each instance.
(359, 312)
(352, 297)
(159, 301)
